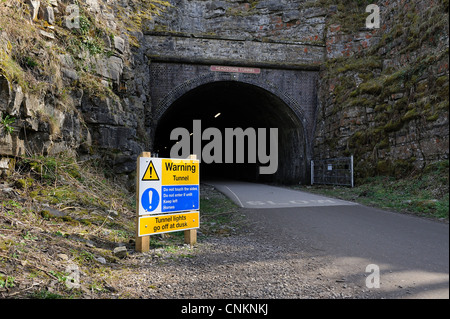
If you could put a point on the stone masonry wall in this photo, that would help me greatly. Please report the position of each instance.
(289, 21)
(384, 92)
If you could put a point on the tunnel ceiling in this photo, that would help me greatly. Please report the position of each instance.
(240, 105)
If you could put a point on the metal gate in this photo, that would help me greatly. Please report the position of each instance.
(333, 171)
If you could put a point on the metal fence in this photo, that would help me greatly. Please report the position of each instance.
(333, 171)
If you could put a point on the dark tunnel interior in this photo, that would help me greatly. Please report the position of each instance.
(233, 105)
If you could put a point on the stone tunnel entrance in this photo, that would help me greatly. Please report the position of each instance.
(232, 104)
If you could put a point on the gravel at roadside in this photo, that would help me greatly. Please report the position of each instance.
(237, 266)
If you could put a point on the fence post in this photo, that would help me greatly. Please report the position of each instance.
(351, 170)
(312, 172)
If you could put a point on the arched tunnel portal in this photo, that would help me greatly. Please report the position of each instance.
(234, 104)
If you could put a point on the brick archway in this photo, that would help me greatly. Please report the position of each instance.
(292, 93)
(193, 83)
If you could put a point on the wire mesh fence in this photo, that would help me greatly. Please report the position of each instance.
(333, 171)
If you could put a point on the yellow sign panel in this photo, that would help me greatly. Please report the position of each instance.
(150, 173)
(180, 172)
(150, 225)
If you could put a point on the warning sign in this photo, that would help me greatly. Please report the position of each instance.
(168, 185)
(150, 199)
(179, 198)
(167, 198)
(150, 173)
(179, 172)
(158, 224)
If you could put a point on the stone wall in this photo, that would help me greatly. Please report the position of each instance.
(384, 92)
(250, 53)
(288, 21)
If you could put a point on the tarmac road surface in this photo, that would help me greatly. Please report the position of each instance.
(410, 254)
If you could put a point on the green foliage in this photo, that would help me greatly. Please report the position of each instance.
(370, 87)
(29, 236)
(396, 98)
(83, 256)
(87, 37)
(22, 51)
(77, 211)
(59, 275)
(143, 10)
(411, 114)
(423, 194)
(49, 168)
(350, 14)
(9, 68)
(7, 281)
(218, 213)
(30, 62)
(85, 25)
(7, 122)
(94, 46)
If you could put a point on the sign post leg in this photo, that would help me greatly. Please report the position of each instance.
(142, 243)
(190, 236)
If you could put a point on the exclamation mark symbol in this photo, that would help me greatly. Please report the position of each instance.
(150, 196)
(150, 173)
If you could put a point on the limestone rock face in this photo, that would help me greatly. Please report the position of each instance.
(34, 8)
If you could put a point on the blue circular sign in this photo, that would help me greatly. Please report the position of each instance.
(150, 199)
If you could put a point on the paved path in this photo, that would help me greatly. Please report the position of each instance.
(411, 253)
(252, 195)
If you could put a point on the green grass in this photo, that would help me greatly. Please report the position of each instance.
(218, 214)
(426, 194)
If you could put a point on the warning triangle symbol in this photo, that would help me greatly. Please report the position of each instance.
(150, 173)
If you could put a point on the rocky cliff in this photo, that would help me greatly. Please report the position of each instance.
(384, 92)
(72, 79)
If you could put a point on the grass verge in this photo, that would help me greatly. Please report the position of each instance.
(57, 213)
(218, 214)
(425, 195)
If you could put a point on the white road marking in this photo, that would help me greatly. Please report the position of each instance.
(240, 203)
(311, 202)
